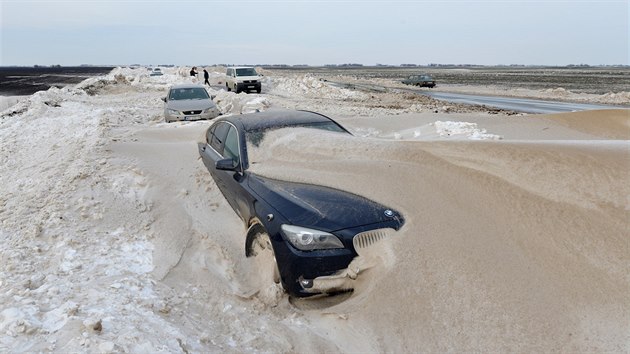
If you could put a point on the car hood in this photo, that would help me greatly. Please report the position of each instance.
(318, 207)
(190, 105)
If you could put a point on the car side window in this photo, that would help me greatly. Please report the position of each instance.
(210, 133)
(218, 137)
(231, 150)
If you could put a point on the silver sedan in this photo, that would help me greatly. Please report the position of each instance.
(188, 102)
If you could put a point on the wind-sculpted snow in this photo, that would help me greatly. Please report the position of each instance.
(114, 237)
(309, 86)
(232, 103)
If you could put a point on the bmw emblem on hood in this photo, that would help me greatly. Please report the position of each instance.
(389, 213)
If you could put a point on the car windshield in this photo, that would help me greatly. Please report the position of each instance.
(246, 72)
(192, 93)
(261, 142)
(255, 137)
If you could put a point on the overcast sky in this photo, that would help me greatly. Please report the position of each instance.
(547, 32)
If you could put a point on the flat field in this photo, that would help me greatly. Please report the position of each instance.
(592, 80)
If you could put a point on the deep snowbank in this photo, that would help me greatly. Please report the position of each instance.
(114, 238)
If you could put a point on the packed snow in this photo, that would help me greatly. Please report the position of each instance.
(84, 245)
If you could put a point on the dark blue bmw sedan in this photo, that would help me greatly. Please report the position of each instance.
(314, 233)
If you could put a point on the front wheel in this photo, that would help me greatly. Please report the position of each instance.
(265, 258)
(269, 290)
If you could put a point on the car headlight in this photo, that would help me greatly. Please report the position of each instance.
(172, 112)
(308, 239)
(208, 110)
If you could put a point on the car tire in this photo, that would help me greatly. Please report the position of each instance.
(258, 90)
(236, 89)
(265, 258)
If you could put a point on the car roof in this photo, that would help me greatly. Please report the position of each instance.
(240, 67)
(180, 86)
(276, 118)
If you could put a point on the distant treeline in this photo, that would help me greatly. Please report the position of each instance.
(431, 65)
(346, 65)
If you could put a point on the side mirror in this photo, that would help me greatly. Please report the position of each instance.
(164, 99)
(213, 97)
(225, 165)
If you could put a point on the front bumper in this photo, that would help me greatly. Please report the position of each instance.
(339, 282)
(247, 86)
(213, 113)
(371, 249)
(335, 270)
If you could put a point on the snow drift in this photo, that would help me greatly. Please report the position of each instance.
(114, 238)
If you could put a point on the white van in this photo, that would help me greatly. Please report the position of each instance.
(242, 78)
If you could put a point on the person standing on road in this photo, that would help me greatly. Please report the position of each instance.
(206, 76)
(193, 71)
